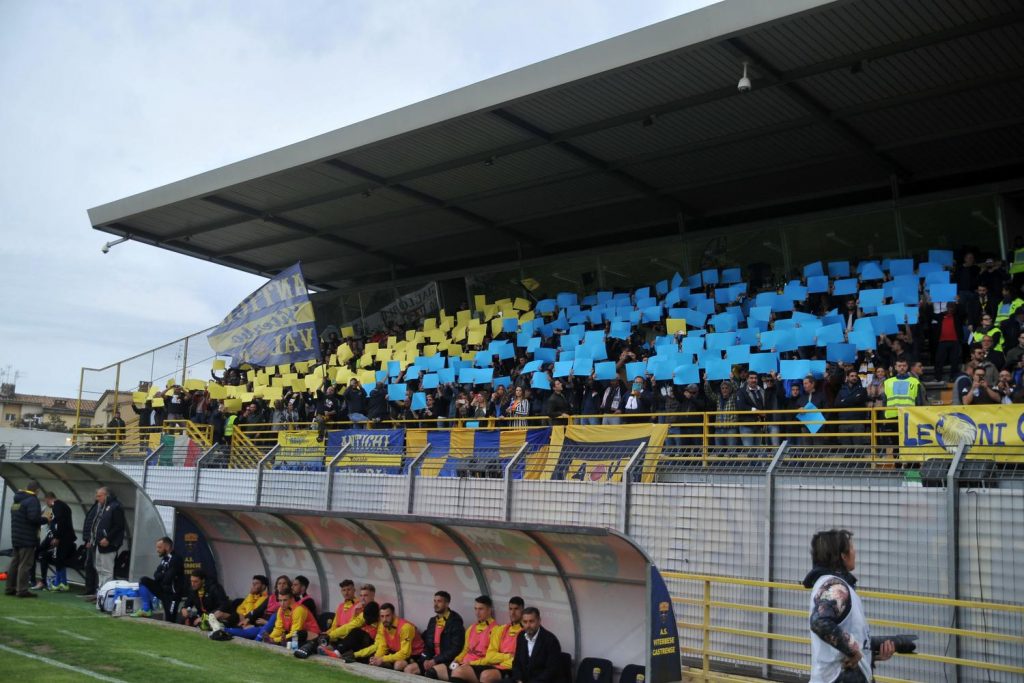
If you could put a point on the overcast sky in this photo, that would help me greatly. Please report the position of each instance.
(105, 99)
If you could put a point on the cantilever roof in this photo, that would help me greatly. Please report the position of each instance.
(622, 139)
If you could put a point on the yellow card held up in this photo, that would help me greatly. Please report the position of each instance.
(673, 325)
(345, 353)
(195, 384)
(232, 405)
(463, 317)
(479, 301)
(219, 363)
(430, 324)
(139, 398)
(158, 402)
(475, 336)
(521, 304)
(368, 378)
(371, 348)
(217, 391)
(348, 332)
(495, 327)
(430, 350)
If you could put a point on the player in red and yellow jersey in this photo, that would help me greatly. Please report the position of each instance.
(501, 649)
(477, 641)
(397, 640)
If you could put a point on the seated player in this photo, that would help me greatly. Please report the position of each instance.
(445, 636)
(259, 624)
(300, 586)
(167, 582)
(254, 603)
(348, 618)
(397, 641)
(360, 644)
(477, 640)
(294, 622)
(205, 597)
(500, 650)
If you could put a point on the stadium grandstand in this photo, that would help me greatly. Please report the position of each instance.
(658, 309)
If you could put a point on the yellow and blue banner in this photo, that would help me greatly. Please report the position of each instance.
(940, 430)
(369, 450)
(272, 326)
(480, 451)
(299, 445)
(564, 460)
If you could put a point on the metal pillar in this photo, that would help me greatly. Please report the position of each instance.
(627, 479)
(769, 526)
(413, 466)
(506, 512)
(259, 472)
(199, 467)
(147, 463)
(329, 493)
(953, 549)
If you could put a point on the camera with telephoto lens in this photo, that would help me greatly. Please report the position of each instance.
(904, 644)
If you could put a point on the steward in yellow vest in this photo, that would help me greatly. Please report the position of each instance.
(903, 390)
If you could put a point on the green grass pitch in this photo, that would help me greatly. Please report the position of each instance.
(68, 640)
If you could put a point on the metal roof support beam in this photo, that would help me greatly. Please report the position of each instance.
(594, 162)
(809, 103)
(429, 200)
(790, 76)
(305, 230)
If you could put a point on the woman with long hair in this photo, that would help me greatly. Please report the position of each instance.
(519, 408)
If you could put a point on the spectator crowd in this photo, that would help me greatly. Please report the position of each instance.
(619, 357)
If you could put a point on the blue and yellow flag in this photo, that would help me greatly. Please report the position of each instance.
(272, 326)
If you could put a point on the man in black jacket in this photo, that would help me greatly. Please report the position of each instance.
(89, 566)
(60, 545)
(106, 534)
(852, 395)
(442, 639)
(167, 582)
(538, 652)
(205, 597)
(26, 517)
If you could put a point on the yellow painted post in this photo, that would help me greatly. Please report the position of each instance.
(78, 407)
(874, 429)
(705, 440)
(706, 640)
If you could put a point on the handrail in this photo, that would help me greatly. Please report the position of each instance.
(107, 453)
(146, 463)
(707, 628)
(29, 452)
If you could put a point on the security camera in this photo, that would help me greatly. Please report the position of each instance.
(106, 247)
(744, 84)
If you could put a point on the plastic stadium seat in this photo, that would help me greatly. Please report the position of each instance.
(594, 670)
(566, 667)
(632, 673)
(325, 620)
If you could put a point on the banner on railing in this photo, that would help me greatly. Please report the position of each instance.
(665, 664)
(573, 455)
(938, 430)
(299, 445)
(475, 452)
(369, 450)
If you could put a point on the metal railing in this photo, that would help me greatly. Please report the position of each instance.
(707, 653)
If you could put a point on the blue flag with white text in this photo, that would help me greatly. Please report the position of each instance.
(272, 326)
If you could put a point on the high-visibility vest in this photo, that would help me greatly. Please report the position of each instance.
(1018, 262)
(995, 333)
(900, 393)
(1004, 310)
(229, 426)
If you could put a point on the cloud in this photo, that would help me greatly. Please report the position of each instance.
(106, 99)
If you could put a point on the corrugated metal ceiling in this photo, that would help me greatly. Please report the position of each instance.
(937, 91)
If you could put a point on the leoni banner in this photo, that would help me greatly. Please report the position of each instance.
(272, 326)
(934, 430)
